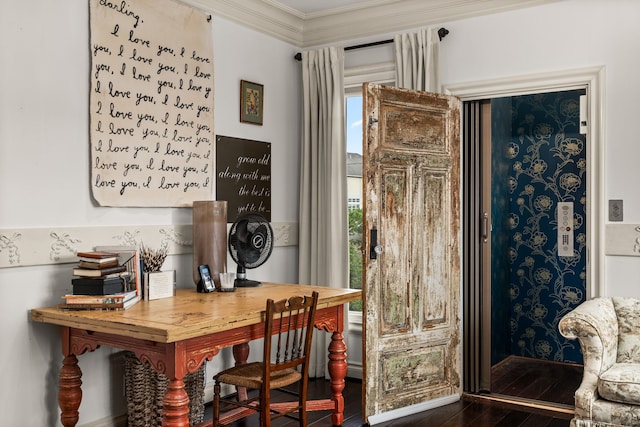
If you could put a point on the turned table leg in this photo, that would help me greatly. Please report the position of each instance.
(70, 391)
(337, 371)
(175, 406)
(241, 354)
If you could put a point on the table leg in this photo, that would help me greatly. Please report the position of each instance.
(175, 406)
(70, 391)
(241, 354)
(337, 371)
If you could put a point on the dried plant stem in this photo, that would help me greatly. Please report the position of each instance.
(153, 258)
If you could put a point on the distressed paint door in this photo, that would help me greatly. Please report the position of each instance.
(411, 161)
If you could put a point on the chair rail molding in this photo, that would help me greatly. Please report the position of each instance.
(20, 247)
(622, 239)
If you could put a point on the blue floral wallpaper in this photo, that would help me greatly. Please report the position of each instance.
(539, 159)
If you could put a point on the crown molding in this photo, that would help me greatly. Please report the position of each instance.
(264, 16)
(393, 16)
(353, 22)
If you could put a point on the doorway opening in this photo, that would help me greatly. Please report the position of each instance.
(515, 319)
(534, 181)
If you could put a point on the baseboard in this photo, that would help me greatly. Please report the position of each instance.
(537, 406)
(412, 409)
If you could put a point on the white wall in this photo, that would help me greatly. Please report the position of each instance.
(568, 35)
(44, 181)
(44, 150)
(571, 34)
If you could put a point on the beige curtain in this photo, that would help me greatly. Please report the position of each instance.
(417, 60)
(323, 234)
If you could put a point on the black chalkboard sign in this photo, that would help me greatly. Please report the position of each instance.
(243, 176)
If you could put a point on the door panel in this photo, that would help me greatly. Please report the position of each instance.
(412, 289)
(395, 315)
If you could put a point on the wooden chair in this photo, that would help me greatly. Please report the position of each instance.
(291, 322)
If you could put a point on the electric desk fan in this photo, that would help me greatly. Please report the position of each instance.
(251, 241)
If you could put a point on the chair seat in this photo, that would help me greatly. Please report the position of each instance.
(250, 376)
(621, 383)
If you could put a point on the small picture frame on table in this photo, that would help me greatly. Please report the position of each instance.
(159, 284)
(251, 102)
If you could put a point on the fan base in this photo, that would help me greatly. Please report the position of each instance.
(246, 283)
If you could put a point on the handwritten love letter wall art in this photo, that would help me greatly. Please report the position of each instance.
(151, 103)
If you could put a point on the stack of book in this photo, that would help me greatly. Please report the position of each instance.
(118, 301)
(99, 273)
(104, 280)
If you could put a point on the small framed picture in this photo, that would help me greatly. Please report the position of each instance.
(251, 102)
(159, 284)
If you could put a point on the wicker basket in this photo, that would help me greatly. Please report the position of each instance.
(145, 390)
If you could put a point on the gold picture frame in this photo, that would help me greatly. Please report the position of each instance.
(251, 102)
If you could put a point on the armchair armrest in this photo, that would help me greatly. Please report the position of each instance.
(595, 325)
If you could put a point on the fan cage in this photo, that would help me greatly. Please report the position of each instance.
(250, 257)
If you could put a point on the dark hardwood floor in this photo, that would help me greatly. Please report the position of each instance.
(536, 379)
(470, 412)
(550, 381)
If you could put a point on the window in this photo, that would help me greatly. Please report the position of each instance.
(383, 73)
(354, 193)
(353, 203)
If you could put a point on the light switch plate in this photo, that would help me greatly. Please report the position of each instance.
(615, 210)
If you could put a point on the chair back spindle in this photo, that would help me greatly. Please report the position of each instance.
(290, 318)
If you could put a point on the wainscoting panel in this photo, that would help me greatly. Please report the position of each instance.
(21, 247)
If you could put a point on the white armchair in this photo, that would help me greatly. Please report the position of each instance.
(608, 330)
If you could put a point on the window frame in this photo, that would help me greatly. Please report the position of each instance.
(354, 78)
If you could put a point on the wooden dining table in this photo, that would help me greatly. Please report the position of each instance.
(177, 335)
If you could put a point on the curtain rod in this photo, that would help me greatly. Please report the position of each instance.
(442, 33)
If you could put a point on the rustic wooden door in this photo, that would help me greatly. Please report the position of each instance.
(411, 170)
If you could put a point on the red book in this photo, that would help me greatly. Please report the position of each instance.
(103, 263)
(96, 254)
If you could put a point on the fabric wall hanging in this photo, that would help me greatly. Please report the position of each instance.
(151, 103)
